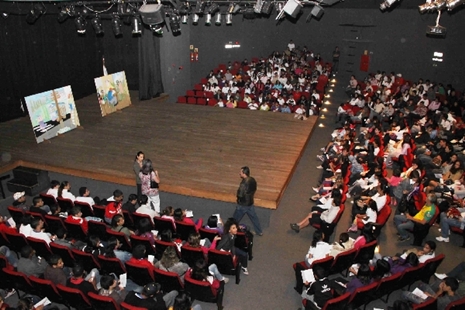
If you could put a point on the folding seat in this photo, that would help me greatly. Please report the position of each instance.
(342, 262)
(324, 263)
(226, 263)
(54, 223)
(199, 93)
(211, 102)
(102, 302)
(135, 240)
(74, 297)
(128, 220)
(366, 253)
(362, 296)
(19, 281)
(202, 291)
(161, 246)
(87, 260)
(182, 99)
(169, 281)
(46, 288)
(162, 224)
(201, 101)
(17, 241)
(98, 229)
(430, 267)
(199, 86)
(40, 246)
(16, 214)
(203, 81)
(190, 93)
(409, 276)
(244, 241)
(191, 100)
(191, 255)
(4, 240)
(111, 265)
(385, 287)
(429, 304)
(337, 303)
(125, 245)
(99, 211)
(136, 217)
(64, 252)
(456, 305)
(126, 306)
(140, 275)
(86, 209)
(48, 200)
(65, 204)
(75, 231)
(210, 234)
(183, 230)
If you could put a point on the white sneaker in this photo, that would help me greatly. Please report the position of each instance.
(245, 271)
(441, 239)
(319, 167)
(316, 190)
(226, 280)
(323, 149)
(440, 276)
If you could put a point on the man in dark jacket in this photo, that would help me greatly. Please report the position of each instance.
(245, 194)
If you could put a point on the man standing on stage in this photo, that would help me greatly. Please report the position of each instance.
(245, 194)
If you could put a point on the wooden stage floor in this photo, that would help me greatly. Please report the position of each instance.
(198, 150)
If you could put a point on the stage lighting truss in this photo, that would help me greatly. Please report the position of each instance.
(438, 5)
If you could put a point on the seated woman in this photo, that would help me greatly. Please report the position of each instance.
(318, 249)
(170, 262)
(112, 250)
(138, 257)
(180, 216)
(315, 217)
(117, 224)
(195, 241)
(449, 178)
(168, 213)
(345, 243)
(202, 272)
(366, 236)
(370, 216)
(363, 277)
(167, 236)
(94, 246)
(399, 265)
(381, 270)
(215, 223)
(145, 230)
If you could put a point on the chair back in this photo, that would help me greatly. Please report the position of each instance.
(102, 302)
(244, 241)
(126, 306)
(210, 234)
(16, 214)
(343, 261)
(456, 305)
(169, 281)
(337, 303)
(135, 240)
(129, 220)
(226, 263)
(430, 267)
(409, 276)
(201, 290)
(324, 263)
(111, 265)
(161, 246)
(87, 260)
(75, 230)
(18, 280)
(65, 204)
(384, 214)
(366, 252)
(429, 304)
(125, 245)
(162, 224)
(136, 217)
(54, 223)
(48, 200)
(86, 209)
(40, 246)
(17, 241)
(385, 286)
(191, 255)
(74, 297)
(46, 288)
(99, 211)
(98, 229)
(362, 295)
(183, 230)
(4, 240)
(139, 275)
(64, 252)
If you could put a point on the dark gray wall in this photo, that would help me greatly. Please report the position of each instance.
(396, 41)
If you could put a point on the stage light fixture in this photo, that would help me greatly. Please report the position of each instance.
(5, 15)
(208, 19)
(195, 19)
(175, 24)
(218, 19)
(386, 4)
(200, 7)
(279, 9)
(440, 4)
(136, 25)
(116, 25)
(184, 19)
(36, 11)
(229, 19)
(97, 25)
(452, 4)
(234, 8)
(267, 8)
(63, 14)
(81, 24)
(257, 8)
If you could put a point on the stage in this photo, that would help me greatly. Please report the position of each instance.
(197, 150)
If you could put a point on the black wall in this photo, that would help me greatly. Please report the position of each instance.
(46, 55)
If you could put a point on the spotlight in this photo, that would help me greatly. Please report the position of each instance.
(234, 8)
(5, 15)
(63, 14)
(174, 24)
(440, 4)
(426, 7)
(195, 19)
(208, 19)
(184, 19)
(257, 8)
(218, 19)
(116, 25)
(158, 29)
(452, 4)
(200, 7)
(279, 9)
(81, 24)
(229, 19)
(152, 14)
(36, 11)
(267, 8)
(136, 25)
(386, 4)
(97, 25)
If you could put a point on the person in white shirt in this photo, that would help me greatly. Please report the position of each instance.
(53, 190)
(63, 191)
(37, 231)
(300, 113)
(291, 45)
(315, 217)
(145, 208)
(25, 227)
(426, 253)
(318, 249)
(84, 196)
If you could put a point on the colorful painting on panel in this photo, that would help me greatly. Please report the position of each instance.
(112, 92)
(52, 113)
